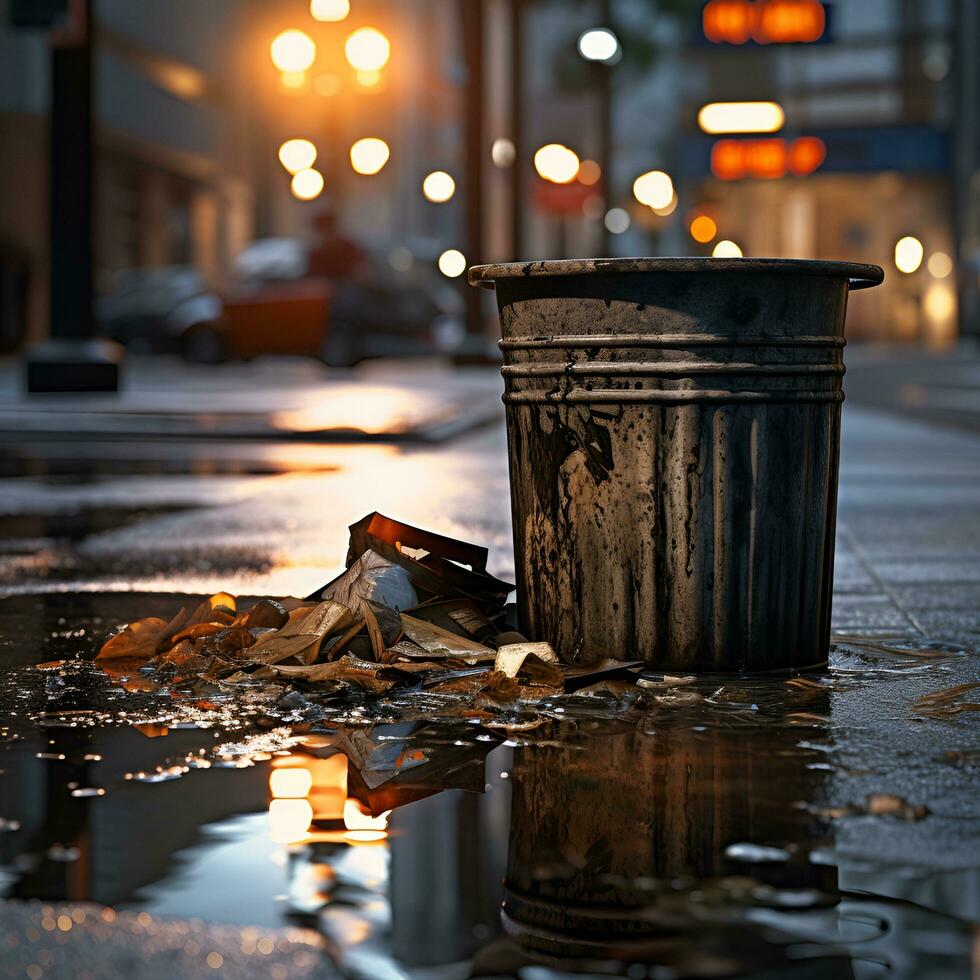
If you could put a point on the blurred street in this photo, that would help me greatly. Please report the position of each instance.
(245, 478)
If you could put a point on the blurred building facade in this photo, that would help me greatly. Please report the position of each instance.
(174, 182)
(879, 90)
(191, 113)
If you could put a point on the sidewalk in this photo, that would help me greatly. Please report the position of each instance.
(271, 399)
(268, 516)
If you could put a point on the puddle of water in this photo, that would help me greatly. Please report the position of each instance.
(713, 827)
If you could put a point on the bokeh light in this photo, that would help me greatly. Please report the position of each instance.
(598, 44)
(669, 208)
(329, 11)
(654, 189)
(369, 155)
(939, 301)
(306, 184)
(589, 172)
(940, 265)
(293, 79)
(367, 49)
(502, 152)
(438, 186)
(617, 220)
(452, 263)
(292, 51)
(368, 79)
(556, 163)
(908, 254)
(297, 154)
(726, 249)
(741, 117)
(703, 229)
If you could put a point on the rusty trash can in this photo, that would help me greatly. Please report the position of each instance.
(674, 430)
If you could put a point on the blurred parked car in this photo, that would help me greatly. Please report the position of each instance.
(272, 307)
(136, 308)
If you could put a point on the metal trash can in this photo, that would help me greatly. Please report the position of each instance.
(674, 431)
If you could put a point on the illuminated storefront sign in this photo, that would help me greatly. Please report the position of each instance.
(766, 159)
(764, 21)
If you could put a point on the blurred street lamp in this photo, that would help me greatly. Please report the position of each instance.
(703, 229)
(556, 163)
(669, 208)
(726, 249)
(655, 189)
(306, 184)
(908, 254)
(369, 155)
(599, 44)
(297, 154)
(617, 220)
(741, 117)
(438, 186)
(502, 152)
(292, 51)
(367, 49)
(940, 265)
(452, 263)
(329, 10)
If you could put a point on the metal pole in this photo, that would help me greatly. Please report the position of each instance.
(72, 360)
(517, 129)
(471, 13)
(604, 90)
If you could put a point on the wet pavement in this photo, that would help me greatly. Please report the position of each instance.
(826, 827)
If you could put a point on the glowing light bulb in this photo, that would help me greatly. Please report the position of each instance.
(292, 51)
(438, 186)
(297, 154)
(329, 11)
(367, 49)
(908, 254)
(452, 263)
(655, 189)
(290, 783)
(726, 249)
(369, 155)
(703, 228)
(556, 163)
(598, 44)
(306, 184)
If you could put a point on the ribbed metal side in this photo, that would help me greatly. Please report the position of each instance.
(674, 465)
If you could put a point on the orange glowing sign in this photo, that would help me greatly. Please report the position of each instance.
(766, 159)
(764, 21)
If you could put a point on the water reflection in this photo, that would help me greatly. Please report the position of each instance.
(685, 831)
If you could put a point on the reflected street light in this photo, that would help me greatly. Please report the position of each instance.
(292, 51)
(367, 49)
(599, 44)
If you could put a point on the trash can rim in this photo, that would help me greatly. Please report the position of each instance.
(859, 275)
